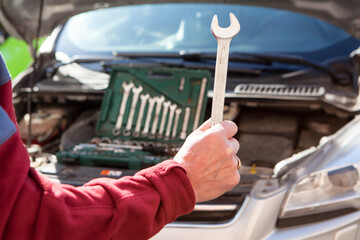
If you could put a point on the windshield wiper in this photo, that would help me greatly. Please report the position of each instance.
(232, 57)
(297, 60)
(269, 59)
(266, 59)
(186, 60)
(196, 61)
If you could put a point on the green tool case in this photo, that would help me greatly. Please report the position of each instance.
(146, 114)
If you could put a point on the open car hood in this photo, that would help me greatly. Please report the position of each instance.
(20, 18)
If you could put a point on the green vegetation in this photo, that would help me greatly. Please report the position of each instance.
(16, 54)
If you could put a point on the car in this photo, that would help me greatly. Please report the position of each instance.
(292, 89)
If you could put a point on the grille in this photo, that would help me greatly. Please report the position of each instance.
(219, 210)
(280, 90)
(216, 211)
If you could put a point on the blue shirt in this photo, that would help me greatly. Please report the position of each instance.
(7, 127)
(4, 73)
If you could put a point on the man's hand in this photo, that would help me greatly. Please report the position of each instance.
(209, 157)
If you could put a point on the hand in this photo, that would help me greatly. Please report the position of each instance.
(209, 157)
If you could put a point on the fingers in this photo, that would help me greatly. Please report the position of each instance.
(229, 128)
(234, 146)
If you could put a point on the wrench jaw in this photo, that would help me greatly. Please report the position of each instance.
(225, 33)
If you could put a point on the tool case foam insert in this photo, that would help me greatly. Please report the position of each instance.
(145, 113)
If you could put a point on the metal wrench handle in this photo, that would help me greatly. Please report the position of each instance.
(119, 120)
(223, 37)
(136, 92)
(221, 67)
(143, 99)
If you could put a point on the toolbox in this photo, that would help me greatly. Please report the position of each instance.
(146, 114)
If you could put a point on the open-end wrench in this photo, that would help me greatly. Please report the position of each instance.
(159, 102)
(199, 103)
(148, 116)
(143, 99)
(185, 123)
(223, 37)
(171, 116)
(136, 92)
(166, 106)
(127, 88)
(176, 122)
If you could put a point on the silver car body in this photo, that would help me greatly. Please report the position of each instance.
(259, 213)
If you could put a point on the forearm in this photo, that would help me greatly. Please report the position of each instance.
(130, 208)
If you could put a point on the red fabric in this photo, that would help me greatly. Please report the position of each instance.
(6, 99)
(33, 207)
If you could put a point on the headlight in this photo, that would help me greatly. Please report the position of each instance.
(324, 191)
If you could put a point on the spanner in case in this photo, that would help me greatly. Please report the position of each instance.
(146, 114)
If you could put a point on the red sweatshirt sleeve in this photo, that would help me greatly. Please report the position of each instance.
(33, 207)
(130, 208)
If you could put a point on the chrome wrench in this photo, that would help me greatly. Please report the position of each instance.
(199, 103)
(171, 116)
(148, 116)
(159, 102)
(176, 122)
(136, 92)
(127, 88)
(223, 37)
(166, 106)
(143, 99)
(185, 124)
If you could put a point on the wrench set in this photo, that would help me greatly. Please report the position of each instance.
(144, 108)
(153, 104)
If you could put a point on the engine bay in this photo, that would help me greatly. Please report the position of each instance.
(267, 134)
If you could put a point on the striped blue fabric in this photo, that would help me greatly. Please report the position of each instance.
(7, 127)
(4, 73)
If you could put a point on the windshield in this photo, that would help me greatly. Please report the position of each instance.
(177, 28)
